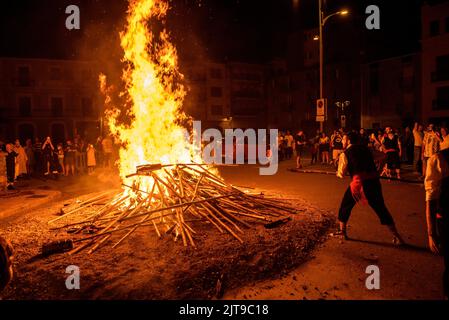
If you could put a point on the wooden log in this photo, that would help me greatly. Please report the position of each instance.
(222, 224)
(82, 205)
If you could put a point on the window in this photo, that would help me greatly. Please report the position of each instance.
(216, 92)
(86, 107)
(217, 110)
(23, 76)
(25, 106)
(442, 101)
(56, 107)
(434, 28)
(215, 73)
(55, 73)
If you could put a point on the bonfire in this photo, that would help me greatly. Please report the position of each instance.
(166, 186)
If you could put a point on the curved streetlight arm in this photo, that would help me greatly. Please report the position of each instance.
(329, 16)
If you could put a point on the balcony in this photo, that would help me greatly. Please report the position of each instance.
(437, 76)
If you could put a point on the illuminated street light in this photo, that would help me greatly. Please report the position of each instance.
(322, 20)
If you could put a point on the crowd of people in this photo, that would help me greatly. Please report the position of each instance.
(390, 147)
(73, 157)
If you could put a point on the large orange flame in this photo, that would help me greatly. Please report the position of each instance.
(155, 96)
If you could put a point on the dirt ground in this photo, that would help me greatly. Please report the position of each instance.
(146, 267)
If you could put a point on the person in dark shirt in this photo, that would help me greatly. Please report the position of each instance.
(10, 166)
(365, 187)
(364, 138)
(37, 149)
(393, 150)
(300, 143)
(48, 149)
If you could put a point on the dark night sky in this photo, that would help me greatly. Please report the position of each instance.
(251, 30)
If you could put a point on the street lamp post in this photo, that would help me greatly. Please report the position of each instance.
(322, 21)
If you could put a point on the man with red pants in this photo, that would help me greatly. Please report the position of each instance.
(365, 186)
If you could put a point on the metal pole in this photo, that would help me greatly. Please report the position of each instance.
(320, 13)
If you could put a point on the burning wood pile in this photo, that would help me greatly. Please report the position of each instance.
(180, 198)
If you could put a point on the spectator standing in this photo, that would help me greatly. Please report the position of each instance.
(417, 142)
(69, 157)
(376, 150)
(314, 146)
(91, 162)
(364, 138)
(408, 146)
(10, 166)
(30, 155)
(38, 157)
(290, 142)
(324, 144)
(337, 146)
(99, 151)
(300, 144)
(107, 151)
(83, 152)
(281, 150)
(47, 151)
(21, 161)
(444, 139)
(393, 152)
(431, 146)
(76, 143)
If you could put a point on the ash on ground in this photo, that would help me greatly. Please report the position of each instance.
(146, 267)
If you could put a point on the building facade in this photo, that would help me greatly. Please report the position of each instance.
(57, 98)
(391, 92)
(207, 99)
(435, 62)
